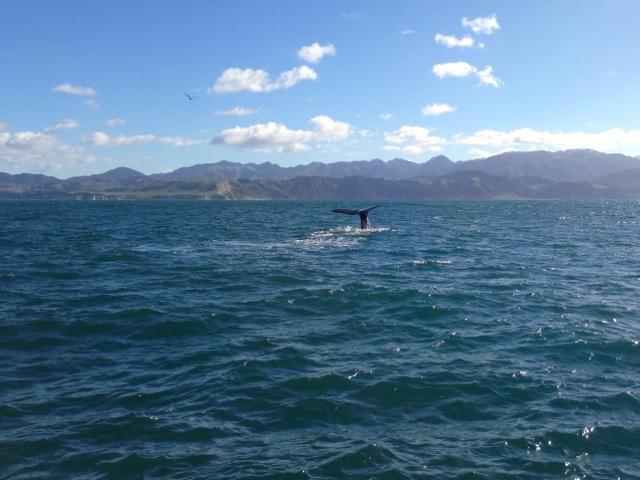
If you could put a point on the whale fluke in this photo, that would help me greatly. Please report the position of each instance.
(364, 215)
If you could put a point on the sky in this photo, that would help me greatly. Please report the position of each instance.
(87, 85)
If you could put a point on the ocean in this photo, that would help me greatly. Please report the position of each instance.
(277, 340)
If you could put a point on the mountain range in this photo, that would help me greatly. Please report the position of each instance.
(568, 174)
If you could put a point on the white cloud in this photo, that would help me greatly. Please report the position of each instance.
(451, 41)
(238, 112)
(485, 25)
(487, 77)
(116, 122)
(413, 140)
(269, 136)
(464, 69)
(101, 139)
(437, 109)
(315, 52)
(614, 139)
(68, 124)
(238, 79)
(408, 32)
(328, 130)
(75, 90)
(39, 151)
(181, 141)
(453, 69)
(386, 116)
(289, 78)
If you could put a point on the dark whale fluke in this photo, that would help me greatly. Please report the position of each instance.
(364, 215)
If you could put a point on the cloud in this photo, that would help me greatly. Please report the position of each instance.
(315, 52)
(237, 79)
(68, 124)
(115, 122)
(463, 69)
(437, 109)
(74, 90)
(386, 116)
(101, 139)
(614, 139)
(413, 140)
(181, 141)
(408, 31)
(275, 136)
(450, 41)
(487, 77)
(92, 104)
(485, 25)
(453, 69)
(238, 112)
(39, 151)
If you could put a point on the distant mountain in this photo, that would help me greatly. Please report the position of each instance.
(116, 178)
(393, 170)
(571, 165)
(31, 179)
(532, 175)
(120, 174)
(625, 178)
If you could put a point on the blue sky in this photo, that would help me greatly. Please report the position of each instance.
(87, 85)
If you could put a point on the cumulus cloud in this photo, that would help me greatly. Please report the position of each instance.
(265, 137)
(453, 69)
(74, 90)
(413, 140)
(68, 124)
(39, 151)
(614, 139)
(484, 25)
(450, 41)
(487, 77)
(101, 139)
(237, 79)
(315, 52)
(437, 109)
(464, 69)
(238, 112)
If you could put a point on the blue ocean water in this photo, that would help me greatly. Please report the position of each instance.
(200, 340)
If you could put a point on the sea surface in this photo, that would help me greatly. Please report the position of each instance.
(276, 340)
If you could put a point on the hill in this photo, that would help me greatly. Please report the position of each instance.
(579, 174)
(570, 165)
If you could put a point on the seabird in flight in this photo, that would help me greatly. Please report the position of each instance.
(189, 96)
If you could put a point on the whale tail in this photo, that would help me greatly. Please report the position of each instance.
(363, 213)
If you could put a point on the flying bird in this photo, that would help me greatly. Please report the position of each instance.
(189, 96)
(363, 213)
